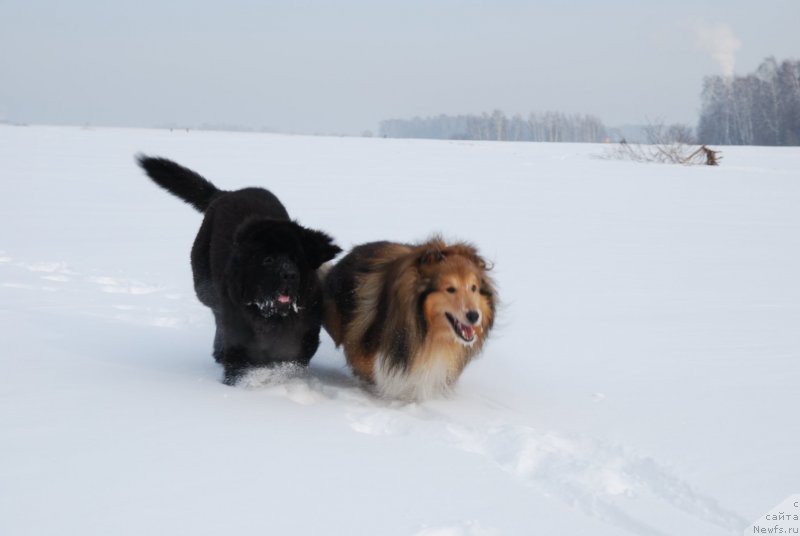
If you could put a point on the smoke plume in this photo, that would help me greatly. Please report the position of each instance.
(719, 41)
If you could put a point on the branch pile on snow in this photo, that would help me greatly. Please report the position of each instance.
(667, 145)
(670, 153)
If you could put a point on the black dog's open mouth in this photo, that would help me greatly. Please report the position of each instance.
(281, 304)
(465, 333)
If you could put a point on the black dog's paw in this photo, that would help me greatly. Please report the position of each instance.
(231, 378)
(233, 373)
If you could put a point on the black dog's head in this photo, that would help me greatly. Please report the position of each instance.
(276, 261)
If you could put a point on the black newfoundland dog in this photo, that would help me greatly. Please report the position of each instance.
(254, 267)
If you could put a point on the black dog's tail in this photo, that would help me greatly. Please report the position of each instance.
(180, 181)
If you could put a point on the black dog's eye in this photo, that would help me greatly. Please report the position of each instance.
(451, 290)
(267, 261)
(474, 288)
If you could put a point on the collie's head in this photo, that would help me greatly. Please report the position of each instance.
(453, 303)
(441, 308)
(456, 295)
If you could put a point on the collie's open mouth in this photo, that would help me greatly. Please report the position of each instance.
(465, 333)
(281, 304)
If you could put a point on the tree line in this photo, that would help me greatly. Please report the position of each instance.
(762, 108)
(548, 126)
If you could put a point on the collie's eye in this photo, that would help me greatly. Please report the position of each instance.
(451, 290)
(474, 288)
(267, 261)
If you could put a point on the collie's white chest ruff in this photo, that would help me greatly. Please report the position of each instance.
(432, 379)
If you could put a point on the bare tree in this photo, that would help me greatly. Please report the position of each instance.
(762, 108)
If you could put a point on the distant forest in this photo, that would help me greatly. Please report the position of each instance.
(762, 108)
(549, 126)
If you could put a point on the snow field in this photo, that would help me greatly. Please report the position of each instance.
(640, 380)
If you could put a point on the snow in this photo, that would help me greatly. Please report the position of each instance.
(642, 378)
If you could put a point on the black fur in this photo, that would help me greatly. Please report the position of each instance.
(254, 267)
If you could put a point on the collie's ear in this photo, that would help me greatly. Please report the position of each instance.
(487, 288)
(481, 263)
(470, 253)
(432, 255)
(318, 246)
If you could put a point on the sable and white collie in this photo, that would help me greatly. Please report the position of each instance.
(410, 317)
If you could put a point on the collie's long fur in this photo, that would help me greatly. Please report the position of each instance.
(410, 317)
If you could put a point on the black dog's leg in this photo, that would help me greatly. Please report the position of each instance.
(310, 345)
(219, 345)
(235, 362)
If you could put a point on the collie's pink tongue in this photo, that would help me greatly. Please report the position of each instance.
(283, 298)
(468, 331)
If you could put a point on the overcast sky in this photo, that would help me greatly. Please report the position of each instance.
(342, 66)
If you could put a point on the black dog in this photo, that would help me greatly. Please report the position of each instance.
(254, 267)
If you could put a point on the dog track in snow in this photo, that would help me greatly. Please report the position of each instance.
(113, 285)
(592, 476)
(603, 481)
(470, 528)
(116, 299)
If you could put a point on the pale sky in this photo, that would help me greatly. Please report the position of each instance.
(311, 66)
